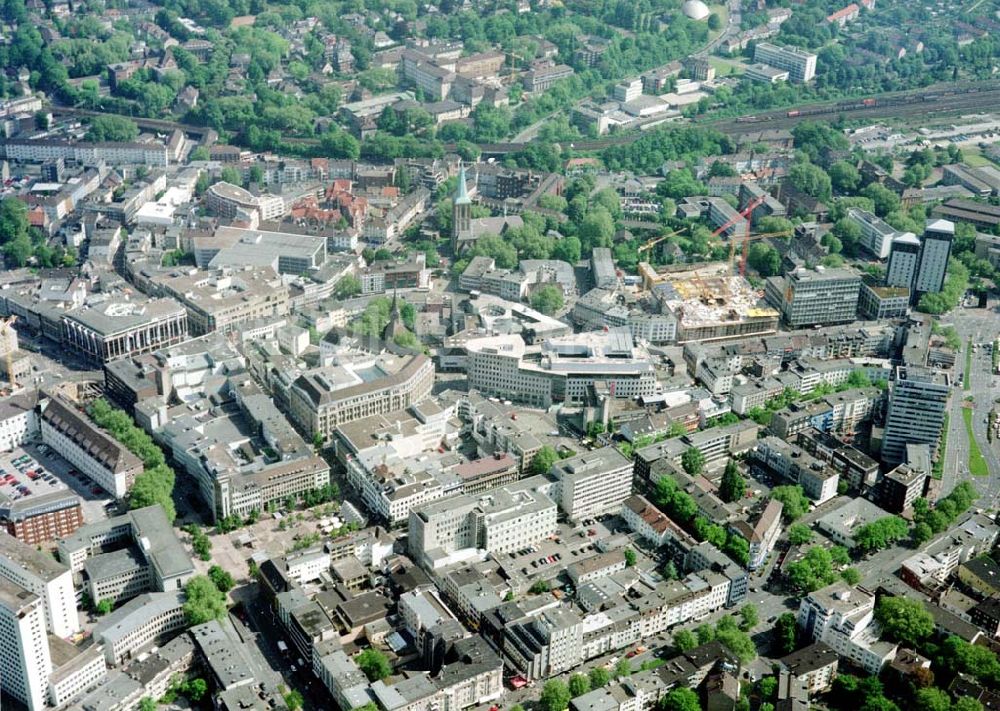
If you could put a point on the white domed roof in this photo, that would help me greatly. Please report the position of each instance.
(695, 9)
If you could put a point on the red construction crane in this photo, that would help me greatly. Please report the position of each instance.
(745, 213)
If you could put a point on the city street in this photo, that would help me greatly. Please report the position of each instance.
(981, 325)
(267, 632)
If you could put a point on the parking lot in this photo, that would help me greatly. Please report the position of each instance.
(35, 470)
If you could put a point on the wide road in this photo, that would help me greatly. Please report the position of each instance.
(980, 325)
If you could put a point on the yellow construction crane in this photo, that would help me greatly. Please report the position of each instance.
(7, 330)
(656, 240)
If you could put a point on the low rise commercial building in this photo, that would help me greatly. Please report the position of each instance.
(138, 624)
(817, 479)
(566, 369)
(322, 399)
(221, 300)
(127, 555)
(500, 521)
(815, 297)
(800, 65)
(112, 330)
(840, 524)
(41, 517)
(67, 429)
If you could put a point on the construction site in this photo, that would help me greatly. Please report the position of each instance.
(709, 302)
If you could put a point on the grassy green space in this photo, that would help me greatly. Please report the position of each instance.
(724, 67)
(968, 365)
(975, 159)
(977, 463)
(723, 12)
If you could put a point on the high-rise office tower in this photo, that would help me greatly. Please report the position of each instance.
(40, 573)
(934, 253)
(904, 259)
(25, 664)
(917, 404)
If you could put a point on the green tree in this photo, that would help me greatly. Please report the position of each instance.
(293, 699)
(693, 461)
(904, 619)
(147, 704)
(630, 558)
(599, 677)
(768, 687)
(347, 286)
(623, 668)
(932, 699)
(685, 640)
(222, 580)
(204, 601)
(966, 703)
(579, 684)
(799, 534)
(543, 460)
(104, 606)
(883, 199)
(539, 587)
(737, 642)
(850, 576)
(786, 633)
(680, 699)
(116, 129)
(748, 617)
(794, 502)
(596, 230)
(231, 175)
(764, 259)
(881, 533)
(733, 487)
(811, 179)
(813, 571)
(195, 689)
(555, 696)
(567, 249)
(374, 664)
(844, 177)
(548, 300)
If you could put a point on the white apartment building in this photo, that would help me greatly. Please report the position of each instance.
(79, 673)
(563, 369)
(626, 91)
(42, 575)
(139, 623)
(498, 521)
(95, 454)
(85, 153)
(308, 565)
(651, 523)
(876, 234)
(594, 483)
(25, 663)
(18, 421)
(844, 618)
(801, 65)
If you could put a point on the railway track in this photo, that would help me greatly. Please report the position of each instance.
(932, 101)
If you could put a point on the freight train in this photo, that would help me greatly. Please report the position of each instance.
(862, 104)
